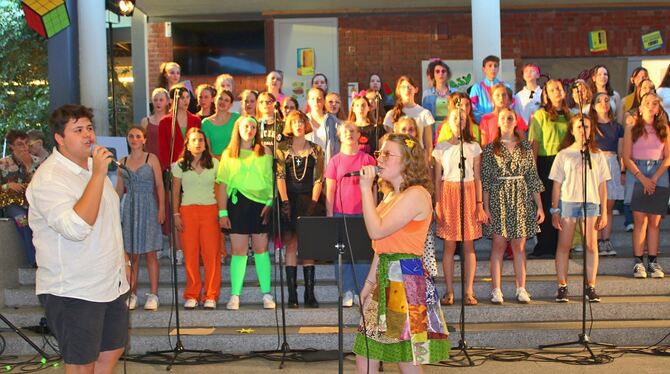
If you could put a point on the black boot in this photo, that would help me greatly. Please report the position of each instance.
(310, 299)
(292, 285)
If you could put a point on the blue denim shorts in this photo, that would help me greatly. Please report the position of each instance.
(576, 210)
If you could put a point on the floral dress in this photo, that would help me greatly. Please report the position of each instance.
(511, 180)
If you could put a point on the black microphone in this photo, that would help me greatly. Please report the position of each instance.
(114, 161)
(277, 106)
(357, 173)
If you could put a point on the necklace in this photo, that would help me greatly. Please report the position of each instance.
(304, 170)
(299, 162)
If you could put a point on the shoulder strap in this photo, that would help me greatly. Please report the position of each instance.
(147, 160)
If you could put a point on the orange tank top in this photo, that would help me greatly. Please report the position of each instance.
(410, 238)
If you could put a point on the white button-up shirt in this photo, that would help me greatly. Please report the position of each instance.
(75, 259)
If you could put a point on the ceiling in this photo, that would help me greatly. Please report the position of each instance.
(203, 10)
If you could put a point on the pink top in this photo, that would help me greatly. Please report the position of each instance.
(648, 146)
(489, 128)
(347, 190)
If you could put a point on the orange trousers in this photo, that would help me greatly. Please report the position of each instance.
(201, 237)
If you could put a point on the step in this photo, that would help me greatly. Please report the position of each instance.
(495, 335)
(326, 272)
(539, 286)
(539, 310)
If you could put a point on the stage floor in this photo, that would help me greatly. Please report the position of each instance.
(629, 363)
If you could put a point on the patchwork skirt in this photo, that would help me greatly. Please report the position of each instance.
(402, 319)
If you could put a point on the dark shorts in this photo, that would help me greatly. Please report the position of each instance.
(245, 217)
(83, 328)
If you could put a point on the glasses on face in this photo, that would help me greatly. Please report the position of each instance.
(384, 155)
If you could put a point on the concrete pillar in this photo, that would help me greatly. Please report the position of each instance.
(138, 38)
(63, 57)
(93, 70)
(485, 33)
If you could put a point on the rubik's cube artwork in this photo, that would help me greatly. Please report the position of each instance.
(47, 17)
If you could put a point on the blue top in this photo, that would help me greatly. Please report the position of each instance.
(608, 135)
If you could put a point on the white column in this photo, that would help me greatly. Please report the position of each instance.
(138, 36)
(93, 61)
(485, 33)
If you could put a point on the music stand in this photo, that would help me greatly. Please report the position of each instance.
(316, 233)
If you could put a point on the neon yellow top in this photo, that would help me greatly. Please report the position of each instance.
(249, 174)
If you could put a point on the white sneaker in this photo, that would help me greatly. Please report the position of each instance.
(655, 270)
(210, 304)
(578, 249)
(268, 302)
(522, 295)
(180, 257)
(132, 301)
(190, 304)
(457, 258)
(348, 299)
(630, 227)
(233, 303)
(152, 302)
(639, 271)
(496, 296)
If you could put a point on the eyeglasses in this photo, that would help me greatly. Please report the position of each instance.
(383, 155)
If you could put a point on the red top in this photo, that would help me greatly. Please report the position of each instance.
(165, 137)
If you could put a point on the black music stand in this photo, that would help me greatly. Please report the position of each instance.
(318, 233)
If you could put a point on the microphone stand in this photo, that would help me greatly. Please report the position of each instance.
(583, 338)
(179, 346)
(275, 231)
(462, 344)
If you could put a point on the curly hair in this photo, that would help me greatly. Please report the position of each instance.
(415, 170)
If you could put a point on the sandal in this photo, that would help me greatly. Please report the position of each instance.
(447, 299)
(470, 300)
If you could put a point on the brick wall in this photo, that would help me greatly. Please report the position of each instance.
(395, 44)
(392, 45)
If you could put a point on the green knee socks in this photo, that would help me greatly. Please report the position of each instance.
(263, 270)
(238, 267)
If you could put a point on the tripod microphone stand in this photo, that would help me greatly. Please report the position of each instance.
(460, 246)
(272, 137)
(43, 355)
(179, 348)
(583, 338)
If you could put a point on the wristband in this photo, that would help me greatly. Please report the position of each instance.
(223, 213)
(176, 214)
(553, 211)
(623, 172)
(636, 174)
(369, 281)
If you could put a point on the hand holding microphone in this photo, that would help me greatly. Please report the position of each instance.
(367, 176)
(102, 157)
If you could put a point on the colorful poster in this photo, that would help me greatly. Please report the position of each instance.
(598, 41)
(298, 90)
(306, 61)
(652, 41)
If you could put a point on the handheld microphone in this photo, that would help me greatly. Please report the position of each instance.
(277, 106)
(357, 173)
(114, 161)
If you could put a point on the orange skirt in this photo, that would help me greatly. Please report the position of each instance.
(448, 212)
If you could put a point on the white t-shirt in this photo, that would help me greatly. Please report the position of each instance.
(448, 155)
(567, 169)
(526, 106)
(421, 115)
